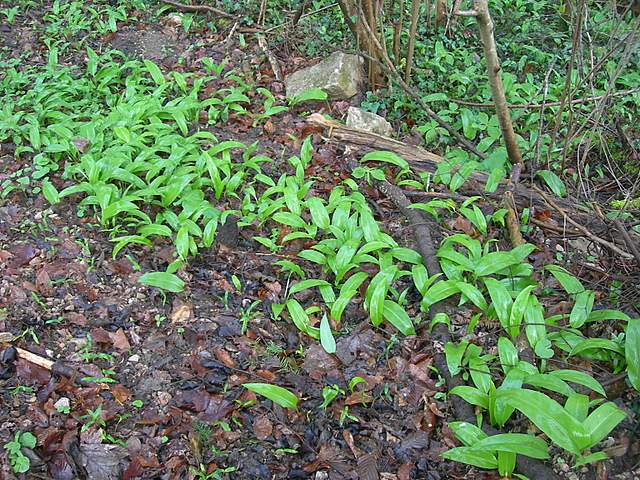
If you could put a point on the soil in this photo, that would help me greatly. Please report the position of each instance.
(178, 361)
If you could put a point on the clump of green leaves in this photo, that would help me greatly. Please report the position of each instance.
(20, 463)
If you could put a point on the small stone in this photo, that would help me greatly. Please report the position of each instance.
(339, 76)
(367, 121)
(62, 404)
(134, 358)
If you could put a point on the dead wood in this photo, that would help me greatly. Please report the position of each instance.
(423, 160)
(198, 8)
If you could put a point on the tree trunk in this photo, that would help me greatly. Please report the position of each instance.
(497, 89)
(441, 12)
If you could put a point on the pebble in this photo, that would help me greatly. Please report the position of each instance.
(134, 358)
(62, 403)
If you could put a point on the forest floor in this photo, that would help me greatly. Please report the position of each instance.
(156, 389)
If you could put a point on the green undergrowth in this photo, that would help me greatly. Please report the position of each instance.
(133, 147)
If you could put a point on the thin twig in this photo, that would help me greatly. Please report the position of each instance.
(305, 15)
(583, 229)
(548, 104)
(628, 240)
(198, 8)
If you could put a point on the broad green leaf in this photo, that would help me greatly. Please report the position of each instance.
(599, 315)
(453, 354)
(387, 157)
(439, 291)
(163, 280)
(493, 262)
(570, 283)
(377, 292)
(398, 317)
(549, 416)
(319, 213)
(155, 72)
(155, 229)
(508, 354)
(555, 384)
(472, 293)
(501, 300)
(305, 284)
(553, 182)
(535, 328)
(472, 456)
(594, 457)
(298, 315)
(581, 378)
(276, 394)
(632, 352)
(596, 344)
(602, 421)
(519, 443)
(50, 192)
(471, 395)
(578, 406)
(518, 309)
(313, 256)
(312, 94)
(493, 181)
(290, 219)
(582, 308)
(467, 433)
(506, 463)
(326, 336)
(182, 242)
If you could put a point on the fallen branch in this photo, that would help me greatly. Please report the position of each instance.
(584, 230)
(575, 101)
(198, 8)
(423, 160)
(628, 240)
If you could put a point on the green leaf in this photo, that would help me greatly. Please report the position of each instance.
(581, 378)
(543, 380)
(276, 394)
(493, 262)
(182, 242)
(519, 443)
(517, 310)
(305, 284)
(471, 395)
(596, 344)
(28, 439)
(155, 72)
(501, 300)
(326, 336)
(50, 192)
(553, 182)
(163, 280)
(493, 181)
(632, 352)
(298, 315)
(439, 291)
(387, 157)
(594, 457)
(472, 293)
(453, 354)
(582, 308)
(313, 256)
(578, 406)
(549, 416)
(398, 317)
(570, 283)
(508, 354)
(467, 433)
(472, 456)
(377, 292)
(599, 315)
(312, 94)
(602, 421)
(290, 219)
(319, 213)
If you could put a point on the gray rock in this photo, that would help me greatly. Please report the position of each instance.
(370, 122)
(339, 76)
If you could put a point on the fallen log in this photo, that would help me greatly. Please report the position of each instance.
(423, 160)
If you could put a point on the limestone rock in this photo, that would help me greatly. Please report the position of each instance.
(370, 122)
(339, 76)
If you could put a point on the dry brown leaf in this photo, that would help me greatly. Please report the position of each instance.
(262, 427)
(120, 340)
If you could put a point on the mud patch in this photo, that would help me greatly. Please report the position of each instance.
(148, 44)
